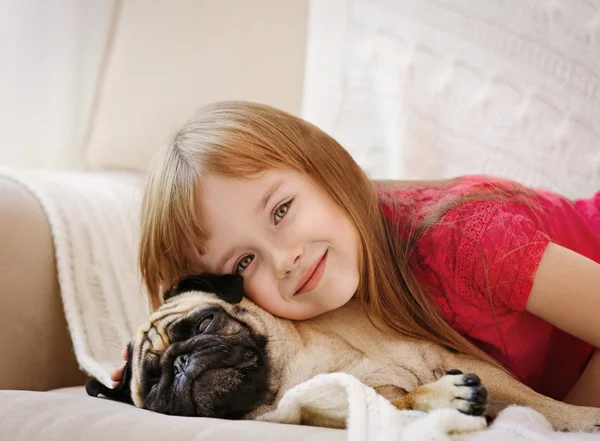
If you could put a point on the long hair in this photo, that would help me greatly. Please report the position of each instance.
(240, 139)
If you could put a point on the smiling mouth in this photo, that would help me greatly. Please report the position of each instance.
(316, 274)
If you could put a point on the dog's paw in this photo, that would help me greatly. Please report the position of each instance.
(459, 391)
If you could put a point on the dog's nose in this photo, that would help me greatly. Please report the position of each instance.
(180, 363)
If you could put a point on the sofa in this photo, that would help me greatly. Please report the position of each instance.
(528, 113)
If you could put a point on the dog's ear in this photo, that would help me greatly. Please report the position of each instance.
(228, 287)
(123, 390)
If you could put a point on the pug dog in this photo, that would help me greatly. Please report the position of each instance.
(209, 351)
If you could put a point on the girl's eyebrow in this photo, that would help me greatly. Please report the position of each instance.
(265, 199)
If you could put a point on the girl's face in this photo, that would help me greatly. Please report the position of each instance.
(296, 249)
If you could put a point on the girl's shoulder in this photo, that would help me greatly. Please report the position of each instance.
(480, 234)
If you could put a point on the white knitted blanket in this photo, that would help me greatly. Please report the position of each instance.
(371, 417)
(93, 217)
(94, 223)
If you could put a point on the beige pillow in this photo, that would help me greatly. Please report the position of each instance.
(169, 57)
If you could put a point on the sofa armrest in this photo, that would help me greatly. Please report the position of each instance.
(37, 352)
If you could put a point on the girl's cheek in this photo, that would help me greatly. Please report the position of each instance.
(251, 285)
(249, 289)
(260, 292)
(259, 299)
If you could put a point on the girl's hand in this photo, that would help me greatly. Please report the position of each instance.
(116, 375)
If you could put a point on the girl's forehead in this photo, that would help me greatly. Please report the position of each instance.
(216, 191)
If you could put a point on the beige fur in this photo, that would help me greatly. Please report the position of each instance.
(408, 372)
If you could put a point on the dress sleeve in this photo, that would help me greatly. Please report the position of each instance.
(483, 253)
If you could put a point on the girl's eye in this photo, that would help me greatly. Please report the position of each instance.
(281, 211)
(243, 263)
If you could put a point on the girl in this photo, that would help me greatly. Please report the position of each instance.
(481, 265)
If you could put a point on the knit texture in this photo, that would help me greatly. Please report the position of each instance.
(370, 417)
(94, 223)
(436, 88)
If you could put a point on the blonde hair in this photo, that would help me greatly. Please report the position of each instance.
(240, 139)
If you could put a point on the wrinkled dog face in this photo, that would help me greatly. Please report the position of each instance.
(199, 354)
(200, 362)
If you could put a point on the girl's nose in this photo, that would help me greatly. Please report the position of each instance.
(286, 261)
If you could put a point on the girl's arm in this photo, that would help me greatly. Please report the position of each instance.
(566, 293)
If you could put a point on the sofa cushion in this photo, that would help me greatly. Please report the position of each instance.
(167, 58)
(70, 415)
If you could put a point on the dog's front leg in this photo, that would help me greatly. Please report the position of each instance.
(504, 390)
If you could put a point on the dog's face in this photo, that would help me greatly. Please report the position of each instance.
(195, 358)
(203, 353)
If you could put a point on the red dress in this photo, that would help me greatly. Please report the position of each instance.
(479, 264)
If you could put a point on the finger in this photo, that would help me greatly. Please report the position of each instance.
(116, 375)
(125, 354)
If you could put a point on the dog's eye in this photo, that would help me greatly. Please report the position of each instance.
(204, 323)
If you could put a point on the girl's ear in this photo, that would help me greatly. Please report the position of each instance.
(228, 287)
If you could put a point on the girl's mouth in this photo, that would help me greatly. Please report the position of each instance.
(312, 276)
